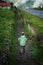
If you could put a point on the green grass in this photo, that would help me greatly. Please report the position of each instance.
(35, 22)
(8, 30)
(40, 9)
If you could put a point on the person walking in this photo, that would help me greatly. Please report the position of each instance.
(22, 40)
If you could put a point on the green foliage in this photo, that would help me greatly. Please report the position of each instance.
(34, 21)
(36, 52)
(35, 49)
(8, 30)
(39, 8)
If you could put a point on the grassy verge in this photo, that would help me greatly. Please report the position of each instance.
(35, 22)
(40, 9)
(8, 30)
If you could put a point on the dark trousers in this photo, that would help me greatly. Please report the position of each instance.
(23, 49)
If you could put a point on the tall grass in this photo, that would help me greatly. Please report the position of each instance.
(8, 30)
(35, 22)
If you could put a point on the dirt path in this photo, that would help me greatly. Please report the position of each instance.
(25, 58)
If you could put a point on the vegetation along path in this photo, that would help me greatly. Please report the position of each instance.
(25, 58)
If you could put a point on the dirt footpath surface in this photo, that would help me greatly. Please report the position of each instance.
(24, 58)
